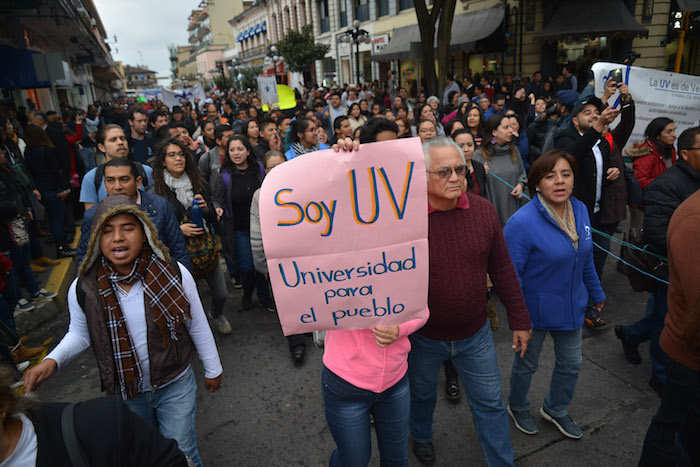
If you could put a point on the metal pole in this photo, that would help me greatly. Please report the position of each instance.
(357, 60)
(681, 43)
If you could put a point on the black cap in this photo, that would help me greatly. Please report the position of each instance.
(590, 101)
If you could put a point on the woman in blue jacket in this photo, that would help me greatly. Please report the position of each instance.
(550, 243)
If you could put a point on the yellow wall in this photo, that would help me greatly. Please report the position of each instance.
(220, 12)
(653, 53)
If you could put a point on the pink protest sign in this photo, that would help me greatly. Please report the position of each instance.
(346, 237)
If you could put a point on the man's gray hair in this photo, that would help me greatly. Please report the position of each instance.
(432, 98)
(439, 142)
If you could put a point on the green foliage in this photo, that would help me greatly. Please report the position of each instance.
(299, 50)
(250, 75)
(223, 82)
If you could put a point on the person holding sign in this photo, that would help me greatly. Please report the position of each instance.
(466, 242)
(365, 373)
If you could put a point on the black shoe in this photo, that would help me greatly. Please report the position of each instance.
(65, 252)
(452, 388)
(424, 452)
(298, 353)
(657, 386)
(247, 302)
(269, 305)
(630, 350)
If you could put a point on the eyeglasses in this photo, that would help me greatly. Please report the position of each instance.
(175, 155)
(446, 172)
(427, 130)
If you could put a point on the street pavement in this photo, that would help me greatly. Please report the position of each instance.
(269, 412)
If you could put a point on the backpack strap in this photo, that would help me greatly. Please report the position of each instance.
(99, 175)
(80, 293)
(76, 454)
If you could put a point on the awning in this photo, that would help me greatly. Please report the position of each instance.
(689, 5)
(22, 73)
(467, 28)
(573, 19)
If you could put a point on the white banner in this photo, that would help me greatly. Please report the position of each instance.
(656, 94)
(268, 90)
(172, 97)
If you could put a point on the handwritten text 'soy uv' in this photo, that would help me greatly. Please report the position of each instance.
(322, 212)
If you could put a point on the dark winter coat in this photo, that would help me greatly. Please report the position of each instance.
(581, 147)
(662, 197)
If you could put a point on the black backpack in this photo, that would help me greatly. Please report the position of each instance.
(100, 174)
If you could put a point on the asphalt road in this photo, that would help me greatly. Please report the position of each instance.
(269, 412)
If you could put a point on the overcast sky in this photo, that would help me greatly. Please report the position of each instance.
(147, 26)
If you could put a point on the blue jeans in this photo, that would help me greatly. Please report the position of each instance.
(477, 365)
(567, 348)
(649, 328)
(20, 256)
(250, 278)
(55, 209)
(173, 409)
(348, 410)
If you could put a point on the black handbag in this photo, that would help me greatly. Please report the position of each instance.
(647, 260)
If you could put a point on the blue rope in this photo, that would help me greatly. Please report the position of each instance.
(631, 265)
(621, 242)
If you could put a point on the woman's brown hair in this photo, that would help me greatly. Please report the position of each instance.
(545, 164)
(199, 185)
(36, 137)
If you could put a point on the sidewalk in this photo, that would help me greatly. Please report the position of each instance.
(55, 279)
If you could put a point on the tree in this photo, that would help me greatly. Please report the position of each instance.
(250, 75)
(300, 52)
(223, 82)
(444, 11)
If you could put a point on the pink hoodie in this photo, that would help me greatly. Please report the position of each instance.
(356, 357)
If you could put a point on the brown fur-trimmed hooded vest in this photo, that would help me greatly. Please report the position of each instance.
(165, 363)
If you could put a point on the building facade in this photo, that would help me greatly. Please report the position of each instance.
(516, 37)
(139, 78)
(58, 53)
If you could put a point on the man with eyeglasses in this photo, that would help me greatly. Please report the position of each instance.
(466, 242)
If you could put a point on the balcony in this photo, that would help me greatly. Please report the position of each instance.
(362, 12)
(254, 52)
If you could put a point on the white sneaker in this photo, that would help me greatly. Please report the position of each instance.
(22, 366)
(223, 325)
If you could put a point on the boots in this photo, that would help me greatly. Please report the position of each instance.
(45, 261)
(21, 353)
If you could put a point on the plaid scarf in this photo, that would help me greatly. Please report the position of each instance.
(168, 303)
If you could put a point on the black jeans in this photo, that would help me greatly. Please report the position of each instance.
(681, 385)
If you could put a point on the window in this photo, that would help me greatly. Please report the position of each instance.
(343, 13)
(405, 4)
(382, 8)
(323, 15)
(362, 10)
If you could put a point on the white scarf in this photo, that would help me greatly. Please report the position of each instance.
(182, 188)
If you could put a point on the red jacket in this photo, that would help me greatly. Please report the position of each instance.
(648, 167)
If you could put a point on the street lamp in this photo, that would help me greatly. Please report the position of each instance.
(356, 36)
(273, 57)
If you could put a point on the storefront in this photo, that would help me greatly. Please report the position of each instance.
(578, 36)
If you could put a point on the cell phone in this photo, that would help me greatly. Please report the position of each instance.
(616, 75)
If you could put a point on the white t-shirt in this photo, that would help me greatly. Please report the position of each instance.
(77, 339)
(26, 450)
(598, 154)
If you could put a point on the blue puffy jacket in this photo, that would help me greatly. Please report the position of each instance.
(163, 217)
(556, 279)
(290, 154)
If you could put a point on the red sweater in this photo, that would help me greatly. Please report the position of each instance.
(465, 244)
